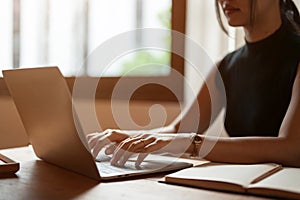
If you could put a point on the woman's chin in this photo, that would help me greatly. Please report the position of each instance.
(234, 23)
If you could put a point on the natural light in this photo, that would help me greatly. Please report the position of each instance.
(64, 32)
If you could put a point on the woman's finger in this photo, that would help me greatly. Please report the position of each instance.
(135, 147)
(153, 147)
(124, 145)
(106, 140)
(101, 143)
(111, 148)
(108, 137)
(93, 139)
(90, 135)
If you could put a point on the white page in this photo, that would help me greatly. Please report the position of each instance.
(287, 179)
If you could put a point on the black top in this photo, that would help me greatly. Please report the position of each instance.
(258, 80)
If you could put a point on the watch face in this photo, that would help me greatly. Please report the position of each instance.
(197, 139)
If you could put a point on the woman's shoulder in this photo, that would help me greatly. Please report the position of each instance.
(295, 44)
(232, 56)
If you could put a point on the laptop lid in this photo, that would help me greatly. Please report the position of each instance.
(41, 94)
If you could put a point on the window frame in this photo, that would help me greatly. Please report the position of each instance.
(152, 92)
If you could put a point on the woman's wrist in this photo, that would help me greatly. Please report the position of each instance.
(195, 145)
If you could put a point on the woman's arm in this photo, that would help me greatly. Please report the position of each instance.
(284, 149)
(201, 107)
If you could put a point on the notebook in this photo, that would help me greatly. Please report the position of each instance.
(44, 103)
(267, 179)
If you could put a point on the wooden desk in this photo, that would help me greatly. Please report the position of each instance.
(40, 180)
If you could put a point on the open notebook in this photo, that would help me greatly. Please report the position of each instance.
(260, 179)
(44, 103)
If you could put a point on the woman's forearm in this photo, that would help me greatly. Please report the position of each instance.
(252, 150)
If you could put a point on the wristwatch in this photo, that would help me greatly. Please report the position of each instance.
(197, 141)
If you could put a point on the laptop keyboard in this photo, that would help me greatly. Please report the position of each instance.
(153, 163)
(107, 168)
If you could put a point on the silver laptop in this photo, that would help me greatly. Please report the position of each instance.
(44, 103)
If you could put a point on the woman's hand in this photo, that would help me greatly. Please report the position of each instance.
(150, 143)
(110, 137)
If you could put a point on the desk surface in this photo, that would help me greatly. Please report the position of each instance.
(37, 179)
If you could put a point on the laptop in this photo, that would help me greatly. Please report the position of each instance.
(44, 103)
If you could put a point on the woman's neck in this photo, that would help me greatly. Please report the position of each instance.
(263, 28)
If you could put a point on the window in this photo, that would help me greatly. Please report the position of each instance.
(63, 32)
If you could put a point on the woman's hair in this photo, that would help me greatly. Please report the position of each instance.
(219, 18)
(288, 9)
(290, 14)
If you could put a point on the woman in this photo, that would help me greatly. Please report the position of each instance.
(262, 84)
